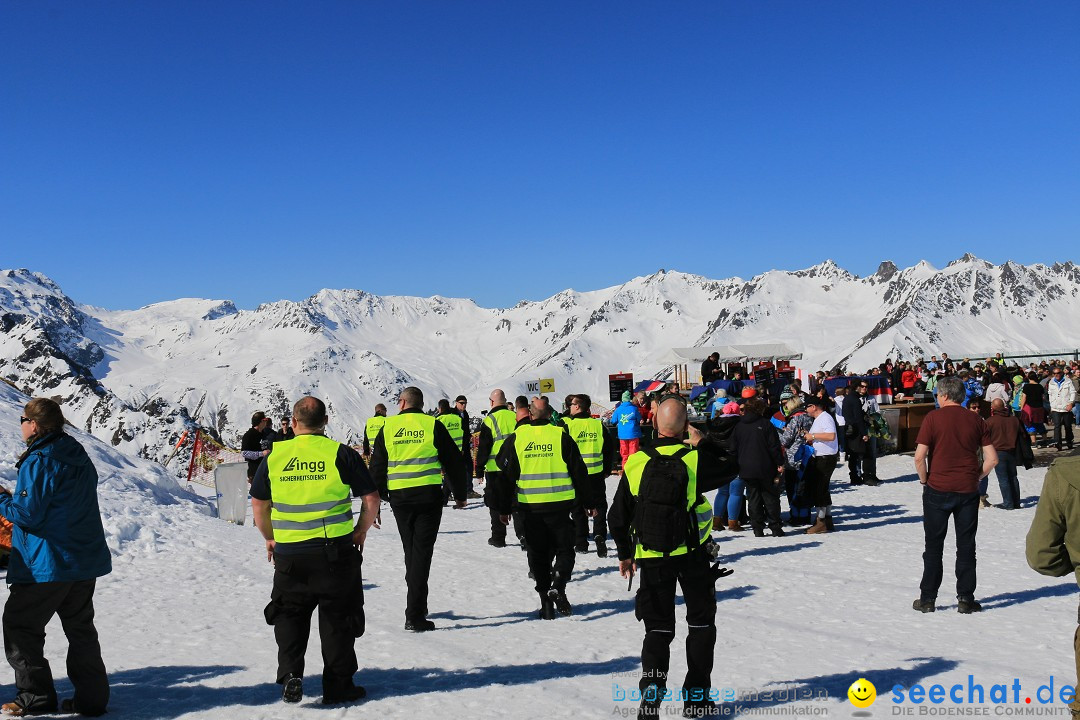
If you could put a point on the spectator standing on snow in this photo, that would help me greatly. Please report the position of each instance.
(253, 447)
(58, 552)
(498, 425)
(950, 439)
(819, 468)
(627, 421)
(761, 464)
(1061, 393)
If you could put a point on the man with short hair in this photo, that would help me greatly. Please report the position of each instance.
(1061, 392)
(300, 498)
(452, 421)
(460, 407)
(1005, 431)
(408, 460)
(597, 451)
(372, 427)
(498, 425)
(861, 447)
(710, 369)
(542, 466)
(708, 467)
(950, 439)
(253, 445)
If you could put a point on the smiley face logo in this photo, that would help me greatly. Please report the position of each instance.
(862, 693)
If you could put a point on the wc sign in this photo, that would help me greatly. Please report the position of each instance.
(542, 386)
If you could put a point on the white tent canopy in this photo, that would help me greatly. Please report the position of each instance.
(730, 353)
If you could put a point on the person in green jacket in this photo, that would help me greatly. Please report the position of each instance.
(1053, 542)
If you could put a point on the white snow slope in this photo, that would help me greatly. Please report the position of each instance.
(183, 636)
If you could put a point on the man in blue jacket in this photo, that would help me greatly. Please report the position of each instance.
(58, 551)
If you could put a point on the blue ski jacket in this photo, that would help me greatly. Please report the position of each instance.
(627, 419)
(58, 535)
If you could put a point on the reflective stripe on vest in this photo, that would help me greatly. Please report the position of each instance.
(309, 501)
(453, 426)
(373, 426)
(703, 517)
(412, 460)
(588, 433)
(501, 424)
(635, 464)
(544, 477)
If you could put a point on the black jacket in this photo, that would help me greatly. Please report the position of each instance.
(507, 461)
(715, 468)
(450, 458)
(757, 445)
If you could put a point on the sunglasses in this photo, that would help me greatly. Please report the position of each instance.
(23, 420)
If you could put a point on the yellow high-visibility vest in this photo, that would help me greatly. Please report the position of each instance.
(309, 500)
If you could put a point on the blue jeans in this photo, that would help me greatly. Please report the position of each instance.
(728, 500)
(1007, 480)
(964, 510)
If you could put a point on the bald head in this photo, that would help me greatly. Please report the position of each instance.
(671, 418)
(997, 404)
(497, 398)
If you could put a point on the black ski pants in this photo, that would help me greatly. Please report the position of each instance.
(550, 536)
(418, 526)
(655, 606)
(330, 579)
(597, 495)
(28, 610)
(763, 503)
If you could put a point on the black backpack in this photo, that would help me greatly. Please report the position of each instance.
(661, 520)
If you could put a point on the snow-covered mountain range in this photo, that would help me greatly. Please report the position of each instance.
(137, 378)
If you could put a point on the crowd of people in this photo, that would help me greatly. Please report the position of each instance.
(544, 473)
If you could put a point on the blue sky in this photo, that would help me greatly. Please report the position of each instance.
(505, 150)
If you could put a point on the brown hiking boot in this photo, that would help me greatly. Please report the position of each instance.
(818, 528)
(718, 524)
(734, 526)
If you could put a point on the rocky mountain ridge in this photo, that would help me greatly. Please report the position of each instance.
(137, 378)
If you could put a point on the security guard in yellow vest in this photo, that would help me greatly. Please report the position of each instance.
(372, 428)
(300, 498)
(452, 421)
(597, 450)
(708, 467)
(408, 460)
(544, 468)
(498, 425)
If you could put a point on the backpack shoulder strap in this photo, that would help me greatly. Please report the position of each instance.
(651, 452)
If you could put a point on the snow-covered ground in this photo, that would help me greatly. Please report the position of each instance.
(183, 634)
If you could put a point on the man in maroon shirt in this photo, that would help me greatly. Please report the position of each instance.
(950, 438)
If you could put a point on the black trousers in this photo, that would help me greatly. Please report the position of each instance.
(494, 485)
(818, 474)
(551, 538)
(1063, 420)
(938, 507)
(655, 607)
(597, 495)
(331, 580)
(418, 526)
(28, 610)
(763, 502)
(498, 530)
(862, 463)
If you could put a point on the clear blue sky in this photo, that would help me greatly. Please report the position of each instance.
(505, 150)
